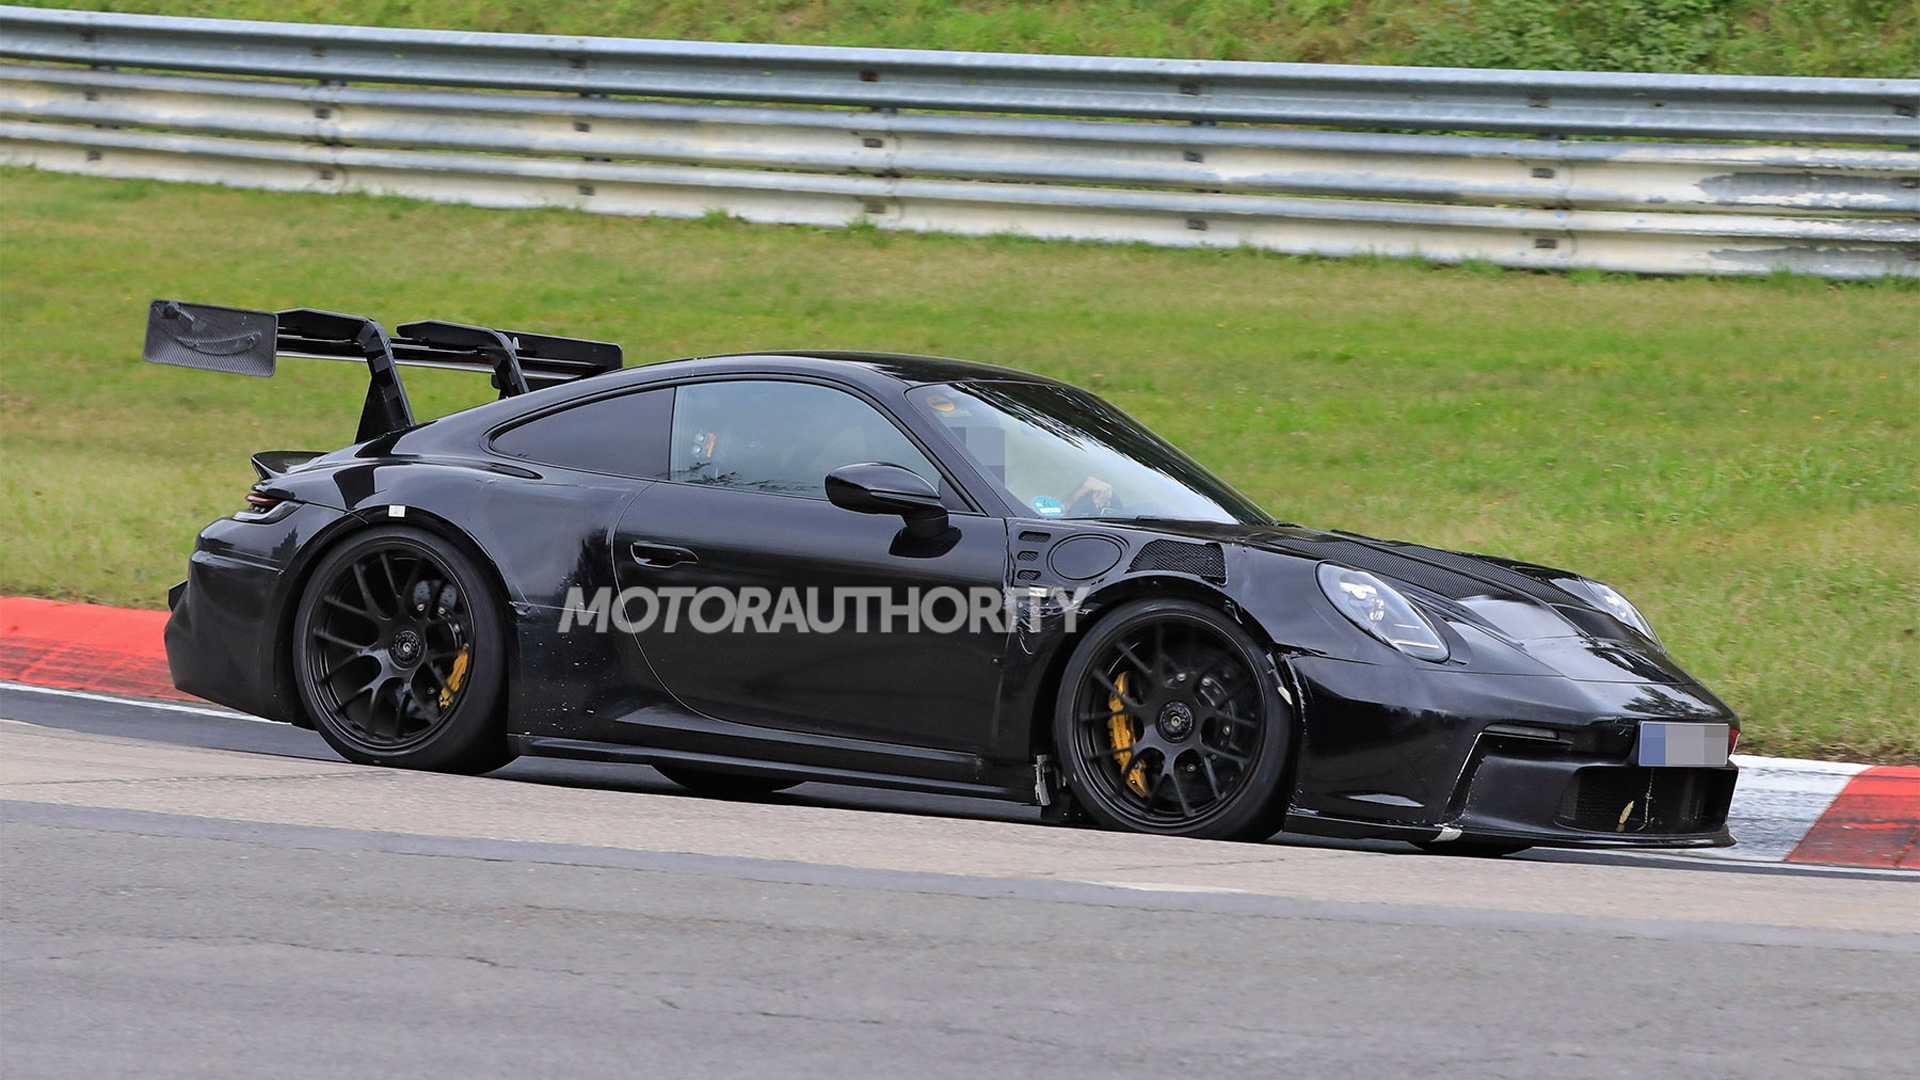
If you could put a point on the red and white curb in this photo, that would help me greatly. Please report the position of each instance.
(107, 650)
(1830, 812)
(1784, 809)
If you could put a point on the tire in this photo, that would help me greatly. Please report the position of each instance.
(1169, 721)
(723, 785)
(1472, 849)
(399, 654)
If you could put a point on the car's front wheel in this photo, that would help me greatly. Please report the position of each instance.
(1169, 720)
(399, 652)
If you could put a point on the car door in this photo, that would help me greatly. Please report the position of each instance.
(743, 566)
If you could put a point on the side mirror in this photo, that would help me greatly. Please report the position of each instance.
(878, 488)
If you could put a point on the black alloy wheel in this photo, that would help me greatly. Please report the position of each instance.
(398, 654)
(722, 785)
(1170, 721)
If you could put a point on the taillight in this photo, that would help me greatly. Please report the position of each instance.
(265, 506)
(1733, 739)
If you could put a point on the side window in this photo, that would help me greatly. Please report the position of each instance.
(780, 437)
(625, 436)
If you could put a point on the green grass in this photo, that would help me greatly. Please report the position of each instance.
(1872, 38)
(1738, 456)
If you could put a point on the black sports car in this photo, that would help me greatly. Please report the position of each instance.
(754, 570)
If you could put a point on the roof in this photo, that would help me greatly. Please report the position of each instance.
(864, 367)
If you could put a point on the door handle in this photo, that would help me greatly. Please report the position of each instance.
(661, 556)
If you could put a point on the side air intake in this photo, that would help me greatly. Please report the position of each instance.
(1200, 560)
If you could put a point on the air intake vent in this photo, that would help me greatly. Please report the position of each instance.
(1627, 799)
(1200, 560)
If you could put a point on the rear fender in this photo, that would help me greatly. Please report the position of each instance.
(537, 537)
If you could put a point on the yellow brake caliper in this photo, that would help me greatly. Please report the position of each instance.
(1120, 729)
(454, 678)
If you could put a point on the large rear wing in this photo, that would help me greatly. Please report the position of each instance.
(245, 342)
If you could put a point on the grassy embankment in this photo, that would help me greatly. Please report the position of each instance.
(1737, 456)
(1873, 38)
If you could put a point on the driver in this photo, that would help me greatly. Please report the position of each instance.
(1093, 498)
(1090, 499)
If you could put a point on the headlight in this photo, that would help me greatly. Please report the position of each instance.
(1376, 608)
(1610, 601)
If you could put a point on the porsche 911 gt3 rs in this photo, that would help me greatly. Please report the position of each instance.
(910, 572)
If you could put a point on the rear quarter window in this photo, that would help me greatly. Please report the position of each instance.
(622, 436)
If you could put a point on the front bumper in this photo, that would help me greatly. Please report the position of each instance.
(1442, 755)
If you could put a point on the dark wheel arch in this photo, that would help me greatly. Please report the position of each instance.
(343, 531)
(398, 651)
(1102, 604)
(1171, 718)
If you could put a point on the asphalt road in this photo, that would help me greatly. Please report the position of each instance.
(196, 896)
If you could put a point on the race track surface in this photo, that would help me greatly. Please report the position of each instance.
(190, 895)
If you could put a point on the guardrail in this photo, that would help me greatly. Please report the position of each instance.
(1182, 152)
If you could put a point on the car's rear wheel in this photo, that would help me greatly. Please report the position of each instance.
(398, 653)
(1169, 721)
(723, 785)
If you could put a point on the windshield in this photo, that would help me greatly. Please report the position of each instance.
(1063, 453)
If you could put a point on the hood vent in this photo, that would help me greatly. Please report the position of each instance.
(1506, 577)
(1458, 577)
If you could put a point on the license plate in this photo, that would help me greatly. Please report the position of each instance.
(1663, 743)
